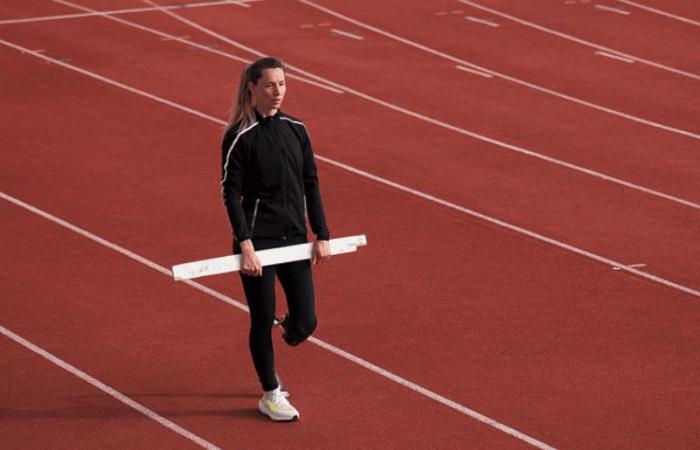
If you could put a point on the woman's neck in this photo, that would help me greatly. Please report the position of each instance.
(267, 113)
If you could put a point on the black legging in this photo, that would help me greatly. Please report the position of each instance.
(298, 287)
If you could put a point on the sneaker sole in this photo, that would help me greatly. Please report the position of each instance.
(276, 418)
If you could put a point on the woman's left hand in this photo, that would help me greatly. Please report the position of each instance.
(321, 252)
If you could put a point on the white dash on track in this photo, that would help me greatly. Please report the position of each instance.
(632, 266)
(476, 72)
(482, 21)
(613, 56)
(347, 34)
(611, 9)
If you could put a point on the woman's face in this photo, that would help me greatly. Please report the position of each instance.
(268, 92)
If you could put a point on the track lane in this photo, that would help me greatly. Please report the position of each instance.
(560, 65)
(672, 7)
(385, 222)
(46, 407)
(184, 355)
(491, 195)
(670, 48)
(679, 223)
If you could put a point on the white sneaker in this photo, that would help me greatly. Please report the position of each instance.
(275, 405)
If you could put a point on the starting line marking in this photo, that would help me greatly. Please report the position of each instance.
(613, 56)
(131, 403)
(232, 263)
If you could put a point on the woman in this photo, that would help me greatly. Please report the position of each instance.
(269, 184)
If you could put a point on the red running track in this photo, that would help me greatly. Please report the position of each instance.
(551, 348)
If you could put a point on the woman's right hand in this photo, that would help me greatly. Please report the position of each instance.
(250, 264)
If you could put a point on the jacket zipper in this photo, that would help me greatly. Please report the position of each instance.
(255, 215)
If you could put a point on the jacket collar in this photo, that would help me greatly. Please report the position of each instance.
(264, 120)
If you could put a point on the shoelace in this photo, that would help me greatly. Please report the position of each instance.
(280, 399)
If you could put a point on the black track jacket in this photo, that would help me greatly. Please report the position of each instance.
(269, 180)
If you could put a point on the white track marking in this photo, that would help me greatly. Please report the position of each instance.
(639, 265)
(482, 21)
(333, 349)
(611, 9)
(131, 403)
(346, 34)
(477, 72)
(388, 105)
(118, 11)
(610, 55)
(206, 48)
(660, 12)
(444, 124)
(581, 41)
(500, 75)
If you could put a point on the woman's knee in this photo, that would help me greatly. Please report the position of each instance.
(300, 330)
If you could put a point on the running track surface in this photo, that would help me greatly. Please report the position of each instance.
(554, 344)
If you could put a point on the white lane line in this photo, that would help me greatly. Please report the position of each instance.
(482, 21)
(335, 163)
(409, 113)
(610, 55)
(660, 12)
(435, 121)
(343, 166)
(635, 266)
(611, 9)
(118, 11)
(580, 41)
(192, 44)
(477, 72)
(323, 344)
(498, 74)
(346, 34)
(131, 403)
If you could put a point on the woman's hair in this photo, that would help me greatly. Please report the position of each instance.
(242, 109)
